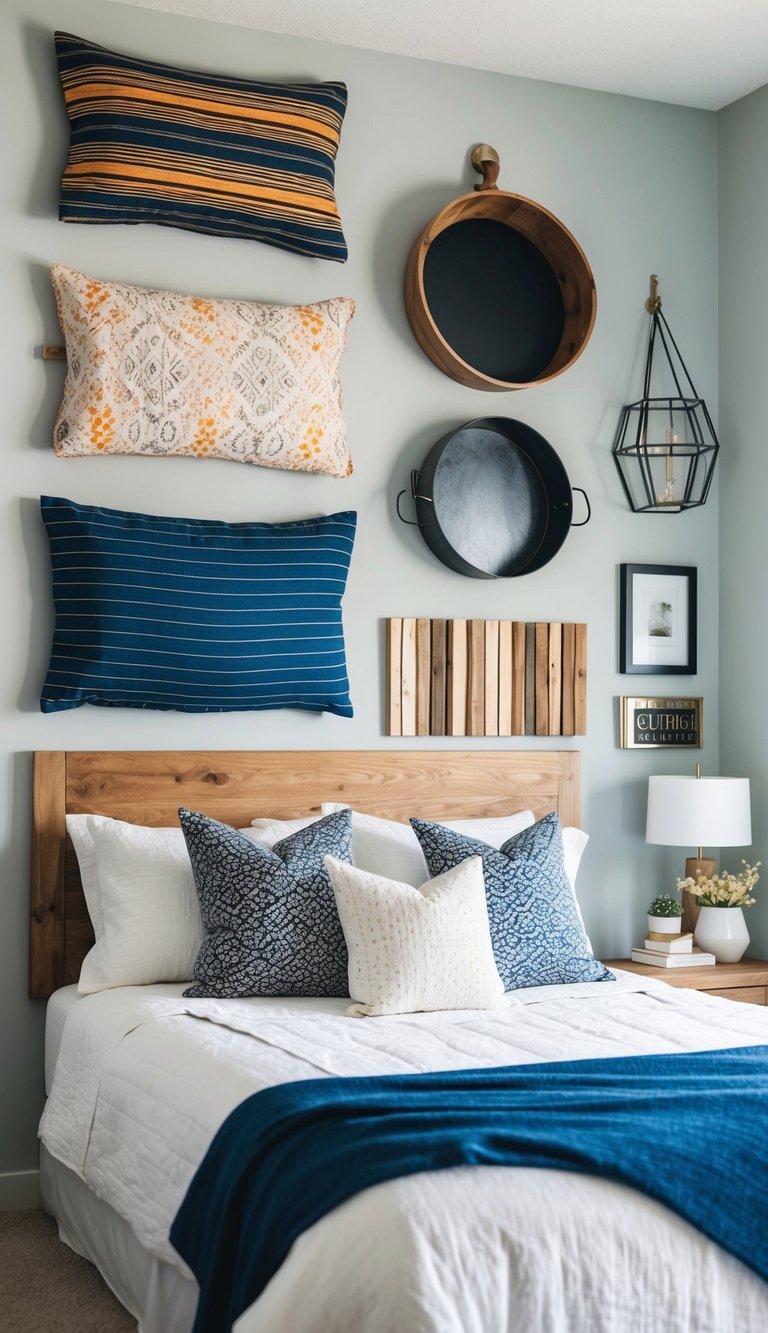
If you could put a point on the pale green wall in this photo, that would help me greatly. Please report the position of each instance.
(634, 181)
(743, 326)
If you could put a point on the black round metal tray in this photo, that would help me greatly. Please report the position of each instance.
(493, 499)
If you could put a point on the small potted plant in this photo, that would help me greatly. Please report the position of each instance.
(665, 915)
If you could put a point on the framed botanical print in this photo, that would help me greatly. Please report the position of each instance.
(657, 622)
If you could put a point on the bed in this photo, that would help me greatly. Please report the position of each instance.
(141, 1078)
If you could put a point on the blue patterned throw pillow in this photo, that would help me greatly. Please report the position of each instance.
(538, 939)
(270, 919)
(195, 614)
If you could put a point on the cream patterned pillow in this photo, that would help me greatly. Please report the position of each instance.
(416, 949)
(154, 372)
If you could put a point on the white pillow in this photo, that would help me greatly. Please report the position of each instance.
(414, 949)
(386, 847)
(389, 848)
(141, 897)
(269, 831)
(85, 850)
(89, 851)
(574, 843)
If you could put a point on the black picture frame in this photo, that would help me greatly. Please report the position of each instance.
(657, 620)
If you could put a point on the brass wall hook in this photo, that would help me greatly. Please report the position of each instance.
(653, 302)
(486, 161)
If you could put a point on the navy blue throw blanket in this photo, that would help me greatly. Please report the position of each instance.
(288, 1155)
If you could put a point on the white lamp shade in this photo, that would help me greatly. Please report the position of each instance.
(699, 812)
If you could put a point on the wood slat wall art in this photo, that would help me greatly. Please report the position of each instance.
(486, 678)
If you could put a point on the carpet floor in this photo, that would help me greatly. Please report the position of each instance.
(46, 1288)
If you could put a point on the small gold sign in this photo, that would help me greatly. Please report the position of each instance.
(653, 724)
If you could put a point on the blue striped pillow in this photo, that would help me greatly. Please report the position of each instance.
(205, 152)
(196, 615)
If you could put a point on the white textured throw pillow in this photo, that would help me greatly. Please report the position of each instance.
(141, 897)
(414, 949)
(386, 847)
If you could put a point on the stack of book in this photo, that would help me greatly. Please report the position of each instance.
(671, 951)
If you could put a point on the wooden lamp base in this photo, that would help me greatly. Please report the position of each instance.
(695, 865)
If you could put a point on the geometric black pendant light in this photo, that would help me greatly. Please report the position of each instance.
(666, 447)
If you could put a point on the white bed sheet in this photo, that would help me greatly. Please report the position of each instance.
(56, 1014)
(145, 1077)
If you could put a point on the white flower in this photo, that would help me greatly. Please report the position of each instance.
(725, 890)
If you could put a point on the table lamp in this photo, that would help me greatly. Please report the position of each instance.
(694, 812)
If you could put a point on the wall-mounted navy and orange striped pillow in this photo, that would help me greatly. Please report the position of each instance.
(204, 152)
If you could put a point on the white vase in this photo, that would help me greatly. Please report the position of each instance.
(723, 932)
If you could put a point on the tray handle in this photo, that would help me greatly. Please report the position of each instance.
(415, 477)
(584, 521)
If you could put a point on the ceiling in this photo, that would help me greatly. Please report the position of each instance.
(700, 53)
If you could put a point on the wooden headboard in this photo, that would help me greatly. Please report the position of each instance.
(147, 787)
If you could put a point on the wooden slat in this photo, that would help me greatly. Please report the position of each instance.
(555, 677)
(580, 681)
(394, 681)
(457, 678)
(439, 686)
(505, 677)
(541, 683)
(148, 787)
(568, 693)
(491, 704)
(46, 936)
(423, 675)
(408, 677)
(518, 678)
(530, 680)
(476, 678)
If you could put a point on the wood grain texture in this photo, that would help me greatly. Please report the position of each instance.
(47, 914)
(147, 787)
(743, 995)
(518, 678)
(505, 678)
(555, 678)
(423, 675)
(580, 681)
(438, 704)
(394, 677)
(746, 980)
(530, 680)
(457, 678)
(548, 235)
(408, 677)
(491, 700)
(541, 681)
(476, 678)
(567, 721)
(485, 678)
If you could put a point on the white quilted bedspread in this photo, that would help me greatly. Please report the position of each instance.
(144, 1078)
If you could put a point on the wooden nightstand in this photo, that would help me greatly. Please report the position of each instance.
(746, 981)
